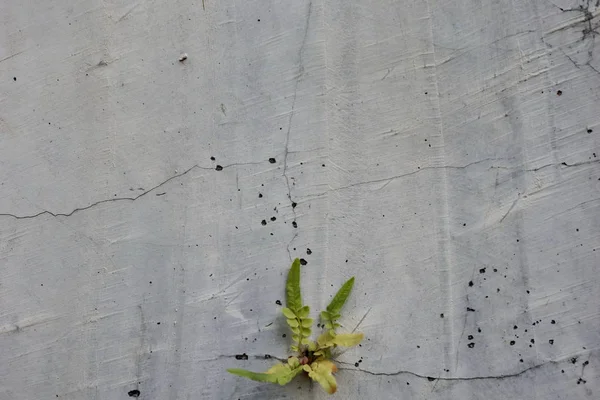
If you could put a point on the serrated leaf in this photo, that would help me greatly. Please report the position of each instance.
(284, 373)
(307, 322)
(303, 312)
(293, 323)
(292, 287)
(340, 297)
(288, 313)
(325, 340)
(293, 361)
(321, 372)
(348, 339)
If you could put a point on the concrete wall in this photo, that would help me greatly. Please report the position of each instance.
(444, 152)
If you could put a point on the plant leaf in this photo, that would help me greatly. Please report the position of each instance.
(306, 332)
(307, 322)
(284, 373)
(293, 323)
(292, 287)
(348, 339)
(288, 313)
(321, 372)
(303, 312)
(255, 376)
(336, 304)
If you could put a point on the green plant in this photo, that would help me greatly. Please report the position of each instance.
(313, 358)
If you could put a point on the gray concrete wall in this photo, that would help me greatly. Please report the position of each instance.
(444, 152)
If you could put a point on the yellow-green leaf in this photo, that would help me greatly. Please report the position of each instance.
(307, 322)
(293, 323)
(348, 339)
(321, 372)
(306, 332)
(292, 287)
(284, 373)
(255, 376)
(303, 312)
(288, 313)
(340, 297)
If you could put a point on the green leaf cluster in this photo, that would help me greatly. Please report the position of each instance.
(313, 358)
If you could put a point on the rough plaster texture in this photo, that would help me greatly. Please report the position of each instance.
(443, 151)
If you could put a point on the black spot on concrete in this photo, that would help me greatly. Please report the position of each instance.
(267, 356)
(273, 219)
(589, 130)
(470, 337)
(272, 160)
(532, 341)
(14, 78)
(260, 195)
(430, 378)
(470, 309)
(212, 159)
(303, 261)
(356, 364)
(308, 251)
(574, 360)
(263, 222)
(294, 224)
(559, 92)
(278, 302)
(134, 393)
(243, 356)
(470, 283)
(284, 335)
(553, 322)
(442, 315)
(482, 270)
(515, 327)
(294, 204)
(479, 330)
(471, 345)
(512, 342)
(219, 168)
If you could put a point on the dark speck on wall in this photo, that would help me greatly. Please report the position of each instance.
(308, 251)
(219, 168)
(551, 341)
(134, 393)
(470, 283)
(303, 261)
(470, 337)
(512, 342)
(278, 302)
(294, 204)
(589, 130)
(294, 224)
(272, 160)
(263, 222)
(243, 356)
(471, 345)
(273, 219)
(260, 195)
(559, 92)
(553, 322)
(284, 335)
(212, 159)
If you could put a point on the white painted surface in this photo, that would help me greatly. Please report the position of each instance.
(423, 142)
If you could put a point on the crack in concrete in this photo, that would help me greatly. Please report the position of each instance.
(440, 378)
(293, 109)
(392, 178)
(119, 199)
